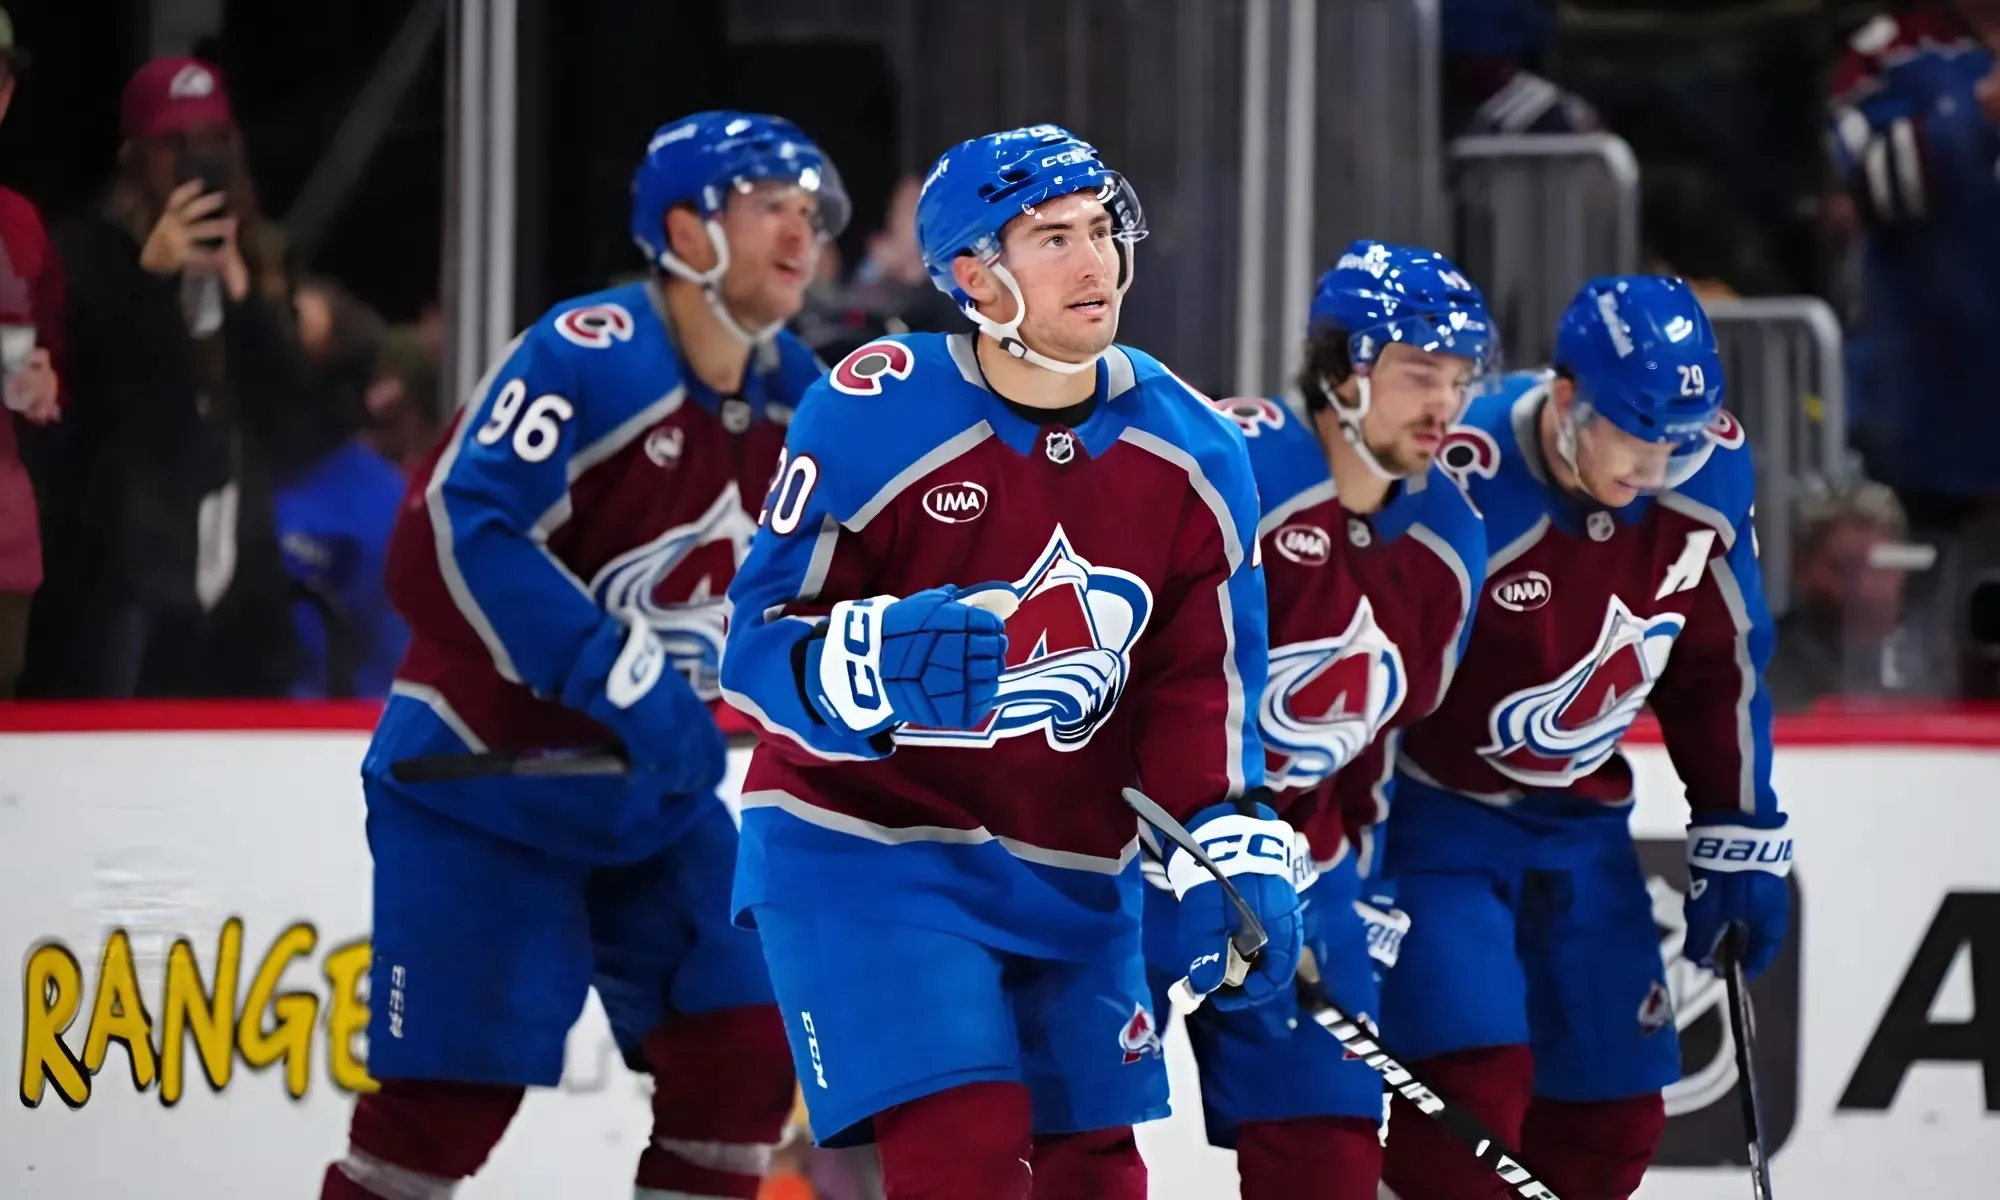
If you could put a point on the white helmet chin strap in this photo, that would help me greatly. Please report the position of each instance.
(710, 283)
(1566, 441)
(1009, 334)
(1350, 419)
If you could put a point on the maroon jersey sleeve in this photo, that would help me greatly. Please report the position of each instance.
(1713, 707)
(1201, 674)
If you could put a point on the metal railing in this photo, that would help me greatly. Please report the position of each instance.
(1786, 381)
(1538, 215)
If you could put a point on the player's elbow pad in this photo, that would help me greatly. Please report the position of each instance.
(1887, 167)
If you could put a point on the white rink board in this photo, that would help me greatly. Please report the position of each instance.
(168, 835)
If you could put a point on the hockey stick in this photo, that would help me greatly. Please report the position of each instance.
(1744, 1022)
(1352, 1036)
(446, 768)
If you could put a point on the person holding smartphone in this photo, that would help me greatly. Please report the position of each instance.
(189, 399)
(30, 303)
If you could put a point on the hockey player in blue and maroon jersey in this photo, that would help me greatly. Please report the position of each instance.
(1373, 559)
(1616, 492)
(999, 578)
(561, 560)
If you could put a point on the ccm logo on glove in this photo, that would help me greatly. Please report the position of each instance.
(1737, 848)
(850, 668)
(637, 669)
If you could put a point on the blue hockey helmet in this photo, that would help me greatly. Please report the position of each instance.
(978, 186)
(1379, 295)
(699, 160)
(1642, 355)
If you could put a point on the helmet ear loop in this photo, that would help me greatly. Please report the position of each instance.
(1350, 417)
(1566, 438)
(710, 283)
(1008, 334)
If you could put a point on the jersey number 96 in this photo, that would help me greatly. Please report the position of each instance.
(540, 428)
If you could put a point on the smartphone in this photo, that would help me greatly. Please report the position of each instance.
(213, 168)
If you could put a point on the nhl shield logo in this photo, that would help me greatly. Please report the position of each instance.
(1060, 447)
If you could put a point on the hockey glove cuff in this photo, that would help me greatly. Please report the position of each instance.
(1254, 849)
(927, 659)
(623, 680)
(1736, 876)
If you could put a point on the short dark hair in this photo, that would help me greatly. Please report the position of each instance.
(1326, 360)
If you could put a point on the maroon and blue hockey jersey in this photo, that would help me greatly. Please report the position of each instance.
(1136, 654)
(1590, 614)
(591, 474)
(1369, 616)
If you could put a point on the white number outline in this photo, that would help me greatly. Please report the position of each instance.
(786, 508)
(540, 429)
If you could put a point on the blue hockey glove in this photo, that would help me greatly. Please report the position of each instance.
(623, 680)
(1736, 876)
(1254, 850)
(928, 659)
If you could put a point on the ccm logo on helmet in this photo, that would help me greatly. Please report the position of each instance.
(1307, 545)
(1525, 592)
(860, 373)
(956, 503)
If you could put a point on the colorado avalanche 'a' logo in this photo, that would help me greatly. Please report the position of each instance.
(1555, 733)
(1069, 652)
(1468, 451)
(1140, 1037)
(679, 583)
(1326, 700)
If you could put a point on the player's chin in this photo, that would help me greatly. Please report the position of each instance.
(781, 299)
(1413, 455)
(1083, 339)
(1616, 493)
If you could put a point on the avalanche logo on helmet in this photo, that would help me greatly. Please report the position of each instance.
(1555, 733)
(678, 583)
(1326, 699)
(1069, 653)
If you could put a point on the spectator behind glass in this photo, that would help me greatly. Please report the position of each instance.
(404, 407)
(1491, 50)
(889, 291)
(335, 517)
(187, 394)
(1846, 634)
(1915, 118)
(30, 309)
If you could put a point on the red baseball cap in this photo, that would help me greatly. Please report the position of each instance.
(171, 94)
